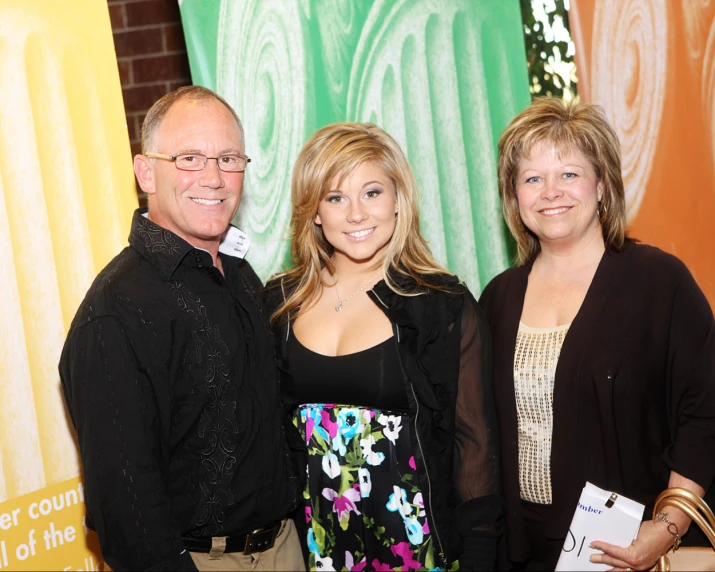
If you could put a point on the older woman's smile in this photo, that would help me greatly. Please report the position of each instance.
(553, 211)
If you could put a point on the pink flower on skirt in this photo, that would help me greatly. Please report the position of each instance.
(403, 550)
(343, 504)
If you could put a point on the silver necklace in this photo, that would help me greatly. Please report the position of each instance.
(339, 307)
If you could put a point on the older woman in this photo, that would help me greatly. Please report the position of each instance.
(387, 370)
(604, 349)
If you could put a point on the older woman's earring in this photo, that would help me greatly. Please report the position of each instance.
(602, 211)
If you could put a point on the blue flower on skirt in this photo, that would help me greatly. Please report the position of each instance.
(414, 530)
(398, 501)
(349, 422)
(312, 544)
(339, 445)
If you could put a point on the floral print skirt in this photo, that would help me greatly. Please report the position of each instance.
(363, 505)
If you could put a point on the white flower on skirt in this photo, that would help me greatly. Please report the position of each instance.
(331, 466)
(398, 502)
(392, 425)
(324, 563)
(418, 500)
(365, 482)
(373, 458)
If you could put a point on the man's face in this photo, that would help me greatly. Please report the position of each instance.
(196, 205)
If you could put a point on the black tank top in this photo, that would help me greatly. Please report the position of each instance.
(370, 378)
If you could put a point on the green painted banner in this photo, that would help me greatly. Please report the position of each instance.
(443, 77)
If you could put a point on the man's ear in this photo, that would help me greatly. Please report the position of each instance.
(144, 171)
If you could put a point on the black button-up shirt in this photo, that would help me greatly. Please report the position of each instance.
(170, 378)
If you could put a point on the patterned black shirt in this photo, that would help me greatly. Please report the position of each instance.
(170, 378)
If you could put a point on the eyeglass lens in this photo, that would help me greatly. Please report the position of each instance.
(196, 162)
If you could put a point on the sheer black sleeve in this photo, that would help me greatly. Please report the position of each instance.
(109, 398)
(476, 463)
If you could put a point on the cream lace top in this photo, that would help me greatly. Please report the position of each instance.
(535, 358)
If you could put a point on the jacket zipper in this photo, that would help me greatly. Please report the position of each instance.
(443, 559)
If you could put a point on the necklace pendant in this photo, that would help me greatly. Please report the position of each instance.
(339, 307)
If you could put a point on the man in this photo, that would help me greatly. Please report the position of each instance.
(168, 369)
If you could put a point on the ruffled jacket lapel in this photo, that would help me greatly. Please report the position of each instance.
(419, 321)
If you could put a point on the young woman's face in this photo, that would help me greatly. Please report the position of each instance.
(358, 214)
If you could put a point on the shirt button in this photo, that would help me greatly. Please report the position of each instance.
(200, 265)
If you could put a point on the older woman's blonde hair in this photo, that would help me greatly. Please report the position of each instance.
(567, 126)
(336, 151)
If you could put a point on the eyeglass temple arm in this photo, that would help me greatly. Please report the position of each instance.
(161, 156)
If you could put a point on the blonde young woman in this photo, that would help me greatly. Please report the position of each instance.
(387, 371)
(604, 349)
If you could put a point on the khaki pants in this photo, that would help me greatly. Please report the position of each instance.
(286, 555)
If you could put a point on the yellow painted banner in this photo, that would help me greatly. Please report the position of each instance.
(44, 531)
(66, 198)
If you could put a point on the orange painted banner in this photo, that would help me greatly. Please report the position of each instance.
(651, 65)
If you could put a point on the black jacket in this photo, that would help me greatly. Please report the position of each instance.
(634, 395)
(444, 348)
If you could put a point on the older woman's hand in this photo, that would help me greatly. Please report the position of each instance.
(654, 537)
(653, 541)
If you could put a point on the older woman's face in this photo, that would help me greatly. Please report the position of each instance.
(558, 196)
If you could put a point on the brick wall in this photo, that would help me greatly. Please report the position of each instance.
(151, 54)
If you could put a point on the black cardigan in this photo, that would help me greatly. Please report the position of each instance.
(444, 349)
(634, 394)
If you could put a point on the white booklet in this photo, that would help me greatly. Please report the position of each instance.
(600, 515)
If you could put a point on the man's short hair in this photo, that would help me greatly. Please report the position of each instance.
(158, 111)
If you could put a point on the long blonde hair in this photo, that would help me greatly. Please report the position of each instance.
(336, 151)
(566, 125)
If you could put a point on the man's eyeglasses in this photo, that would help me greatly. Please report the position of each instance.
(230, 163)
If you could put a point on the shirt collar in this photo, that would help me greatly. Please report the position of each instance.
(165, 250)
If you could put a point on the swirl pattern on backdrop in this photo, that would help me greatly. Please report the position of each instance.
(708, 86)
(340, 23)
(410, 75)
(697, 15)
(628, 62)
(264, 71)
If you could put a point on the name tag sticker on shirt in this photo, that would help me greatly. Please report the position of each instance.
(600, 515)
(235, 243)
